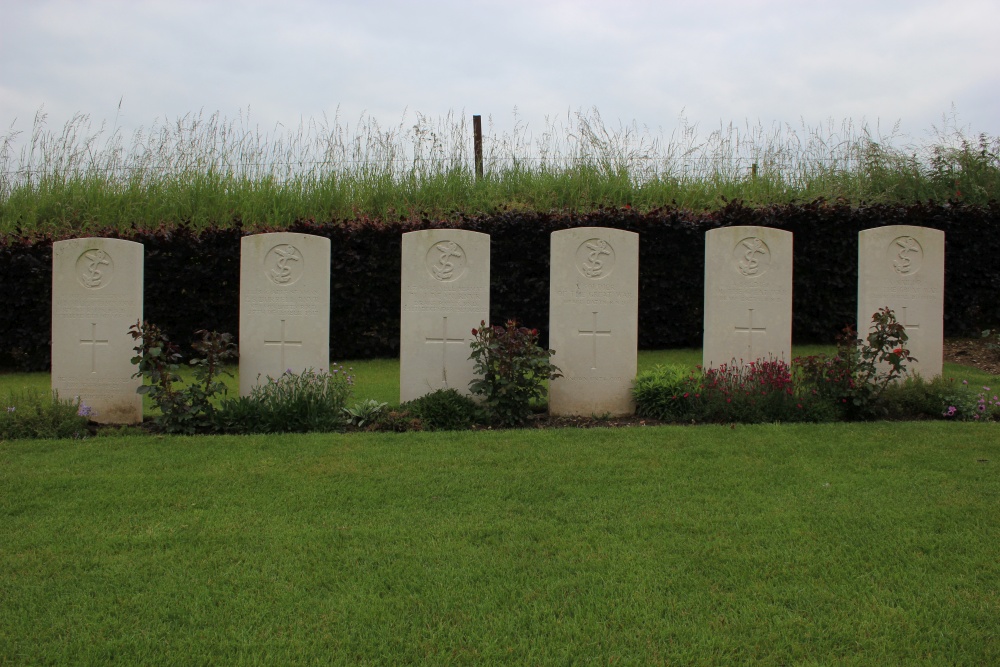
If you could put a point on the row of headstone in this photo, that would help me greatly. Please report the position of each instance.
(97, 288)
(593, 321)
(748, 292)
(593, 305)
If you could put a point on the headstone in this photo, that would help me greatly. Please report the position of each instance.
(96, 297)
(593, 320)
(748, 296)
(445, 294)
(902, 267)
(284, 306)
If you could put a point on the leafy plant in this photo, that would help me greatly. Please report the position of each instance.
(183, 409)
(36, 414)
(291, 403)
(861, 370)
(759, 391)
(936, 398)
(512, 369)
(445, 410)
(364, 412)
(663, 392)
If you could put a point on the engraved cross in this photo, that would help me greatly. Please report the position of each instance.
(282, 343)
(444, 341)
(93, 342)
(594, 333)
(907, 325)
(750, 330)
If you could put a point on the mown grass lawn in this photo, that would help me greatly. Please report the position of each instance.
(777, 544)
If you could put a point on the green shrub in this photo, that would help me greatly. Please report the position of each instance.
(183, 409)
(512, 370)
(665, 392)
(445, 410)
(36, 414)
(860, 372)
(292, 403)
(937, 398)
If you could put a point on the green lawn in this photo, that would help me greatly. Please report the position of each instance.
(818, 544)
(776, 544)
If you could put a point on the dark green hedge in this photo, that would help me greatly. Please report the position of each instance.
(192, 278)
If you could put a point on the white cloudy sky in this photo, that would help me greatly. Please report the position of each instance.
(715, 61)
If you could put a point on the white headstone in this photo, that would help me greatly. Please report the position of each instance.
(96, 297)
(445, 294)
(748, 295)
(902, 267)
(284, 306)
(594, 320)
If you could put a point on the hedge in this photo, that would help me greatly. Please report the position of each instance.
(192, 277)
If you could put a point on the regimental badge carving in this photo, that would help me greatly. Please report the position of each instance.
(595, 259)
(95, 269)
(905, 255)
(446, 261)
(752, 257)
(284, 264)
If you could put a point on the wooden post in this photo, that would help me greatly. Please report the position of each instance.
(477, 130)
(753, 171)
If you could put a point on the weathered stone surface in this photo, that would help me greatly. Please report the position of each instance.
(445, 293)
(748, 295)
(284, 306)
(593, 320)
(96, 296)
(902, 267)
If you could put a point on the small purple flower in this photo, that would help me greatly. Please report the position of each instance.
(950, 412)
(86, 411)
(11, 408)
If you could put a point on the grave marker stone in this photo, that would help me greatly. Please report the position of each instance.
(902, 267)
(748, 295)
(96, 296)
(594, 320)
(445, 294)
(284, 306)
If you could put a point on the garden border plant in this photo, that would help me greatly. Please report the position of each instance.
(512, 369)
(188, 409)
(850, 384)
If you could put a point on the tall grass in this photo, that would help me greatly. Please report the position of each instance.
(205, 169)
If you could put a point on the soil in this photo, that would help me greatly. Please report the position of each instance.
(973, 352)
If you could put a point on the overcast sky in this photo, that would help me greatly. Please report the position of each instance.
(716, 62)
